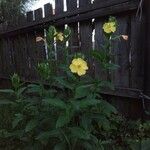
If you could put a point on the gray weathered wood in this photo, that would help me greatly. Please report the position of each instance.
(74, 40)
(40, 46)
(59, 8)
(71, 17)
(48, 10)
(86, 36)
(31, 47)
(100, 73)
(137, 53)
(121, 54)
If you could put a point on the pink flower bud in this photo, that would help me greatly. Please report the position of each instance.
(125, 37)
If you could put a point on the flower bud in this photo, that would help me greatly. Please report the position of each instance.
(125, 37)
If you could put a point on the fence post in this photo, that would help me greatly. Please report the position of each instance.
(147, 54)
(147, 50)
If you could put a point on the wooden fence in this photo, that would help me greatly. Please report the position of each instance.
(20, 53)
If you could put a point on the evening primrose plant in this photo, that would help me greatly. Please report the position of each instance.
(65, 110)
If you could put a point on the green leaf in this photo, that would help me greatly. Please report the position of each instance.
(80, 133)
(86, 122)
(5, 102)
(67, 33)
(16, 133)
(50, 34)
(64, 83)
(146, 144)
(21, 90)
(134, 145)
(83, 91)
(31, 125)
(50, 92)
(56, 103)
(33, 88)
(60, 146)
(104, 123)
(87, 145)
(63, 119)
(111, 66)
(4, 133)
(17, 120)
(85, 103)
(7, 91)
(107, 84)
(101, 56)
(107, 107)
(45, 136)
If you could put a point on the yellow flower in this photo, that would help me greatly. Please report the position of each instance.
(60, 36)
(109, 27)
(55, 33)
(78, 66)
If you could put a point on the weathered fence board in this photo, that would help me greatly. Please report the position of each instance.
(121, 54)
(86, 35)
(99, 40)
(31, 45)
(19, 51)
(71, 17)
(40, 46)
(137, 53)
(59, 9)
(74, 40)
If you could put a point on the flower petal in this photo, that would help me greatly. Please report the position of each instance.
(73, 68)
(81, 72)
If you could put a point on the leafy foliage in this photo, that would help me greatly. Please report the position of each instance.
(68, 113)
(11, 10)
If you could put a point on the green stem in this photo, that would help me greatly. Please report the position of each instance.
(67, 140)
(74, 144)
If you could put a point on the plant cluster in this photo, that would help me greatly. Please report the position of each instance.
(12, 10)
(65, 110)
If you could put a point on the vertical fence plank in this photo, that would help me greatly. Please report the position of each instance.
(40, 46)
(86, 35)
(22, 19)
(137, 53)
(31, 45)
(120, 76)
(100, 73)
(17, 54)
(24, 63)
(121, 54)
(11, 55)
(6, 57)
(48, 10)
(1, 57)
(147, 54)
(74, 40)
(147, 51)
(59, 8)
